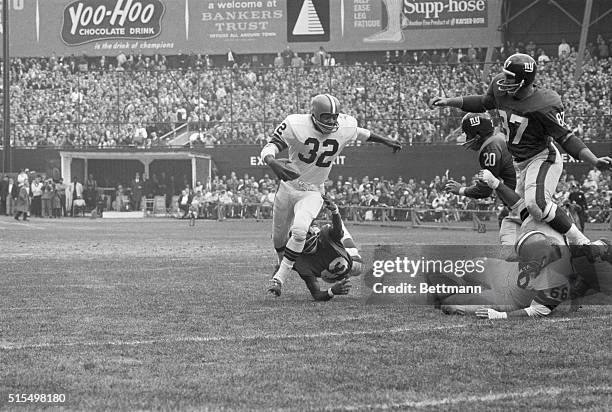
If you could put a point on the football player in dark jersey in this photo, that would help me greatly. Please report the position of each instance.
(329, 254)
(533, 119)
(493, 156)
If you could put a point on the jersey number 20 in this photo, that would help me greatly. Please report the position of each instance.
(489, 159)
(331, 145)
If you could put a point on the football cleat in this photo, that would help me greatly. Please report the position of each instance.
(275, 288)
(325, 111)
(477, 127)
(520, 71)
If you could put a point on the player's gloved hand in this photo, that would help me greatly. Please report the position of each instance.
(603, 163)
(341, 288)
(281, 170)
(453, 310)
(395, 145)
(485, 313)
(438, 102)
(329, 204)
(452, 187)
(486, 177)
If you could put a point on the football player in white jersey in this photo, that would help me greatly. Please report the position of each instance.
(547, 273)
(314, 141)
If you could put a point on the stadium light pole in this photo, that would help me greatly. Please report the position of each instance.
(584, 33)
(6, 164)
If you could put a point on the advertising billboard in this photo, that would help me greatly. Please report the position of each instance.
(96, 27)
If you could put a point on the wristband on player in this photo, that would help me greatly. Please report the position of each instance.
(330, 293)
(462, 191)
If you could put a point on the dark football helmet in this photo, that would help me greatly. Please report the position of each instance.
(477, 127)
(312, 237)
(327, 106)
(520, 71)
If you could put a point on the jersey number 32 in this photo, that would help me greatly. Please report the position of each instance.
(331, 147)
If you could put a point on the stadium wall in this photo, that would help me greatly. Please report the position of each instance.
(419, 162)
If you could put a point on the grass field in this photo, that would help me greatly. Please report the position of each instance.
(154, 314)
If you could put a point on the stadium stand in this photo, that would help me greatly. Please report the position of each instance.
(145, 101)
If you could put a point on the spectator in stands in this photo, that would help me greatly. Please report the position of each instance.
(225, 201)
(563, 49)
(4, 194)
(48, 192)
(296, 61)
(602, 47)
(36, 189)
(137, 187)
(61, 188)
(22, 176)
(231, 59)
(89, 191)
(318, 57)
(56, 202)
(183, 203)
(287, 54)
(329, 60)
(267, 202)
(73, 192)
(22, 202)
(543, 58)
(278, 60)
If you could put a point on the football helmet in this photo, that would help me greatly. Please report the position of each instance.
(325, 111)
(477, 127)
(338, 269)
(520, 71)
(312, 237)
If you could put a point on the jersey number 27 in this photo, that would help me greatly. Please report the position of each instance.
(331, 145)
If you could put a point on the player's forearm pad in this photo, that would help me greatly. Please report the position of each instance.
(269, 149)
(573, 145)
(473, 104)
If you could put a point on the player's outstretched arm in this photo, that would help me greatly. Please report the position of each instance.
(574, 146)
(339, 288)
(387, 141)
(337, 232)
(536, 310)
(507, 195)
(541, 306)
(475, 103)
(478, 191)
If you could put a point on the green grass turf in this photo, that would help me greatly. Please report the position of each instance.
(154, 314)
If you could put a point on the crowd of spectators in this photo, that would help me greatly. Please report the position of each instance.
(137, 100)
(248, 197)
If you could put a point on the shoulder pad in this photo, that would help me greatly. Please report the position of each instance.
(345, 120)
(297, 119)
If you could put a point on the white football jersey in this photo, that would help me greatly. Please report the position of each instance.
(313, 152)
